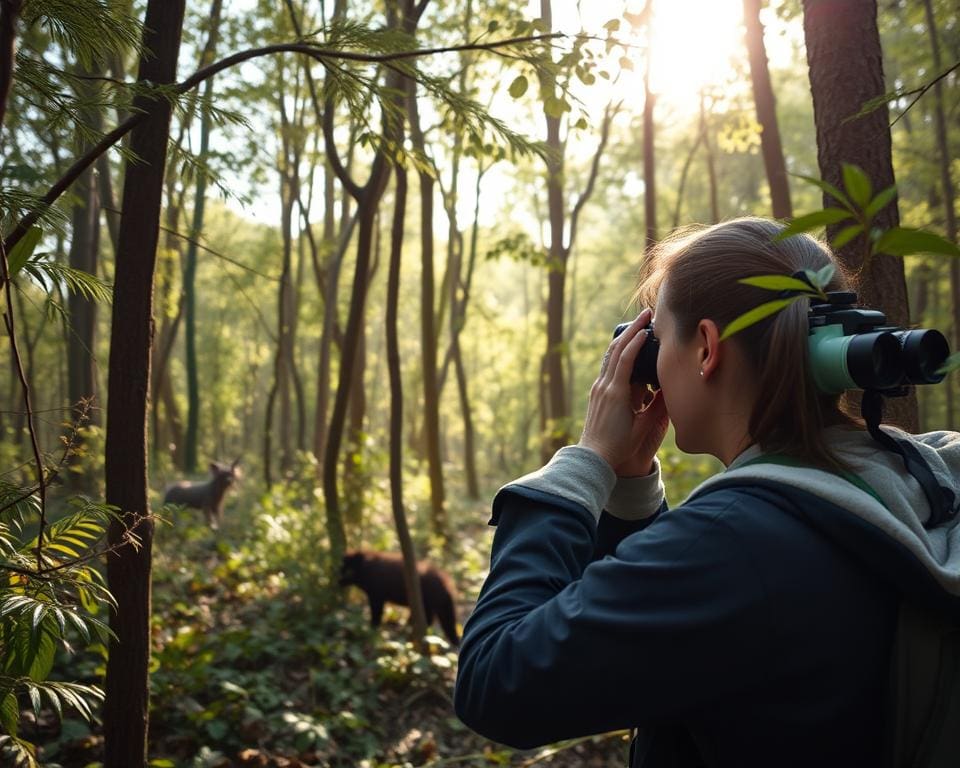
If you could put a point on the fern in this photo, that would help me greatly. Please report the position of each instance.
(91, 29)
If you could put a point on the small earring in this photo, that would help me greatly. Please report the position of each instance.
(701, 372)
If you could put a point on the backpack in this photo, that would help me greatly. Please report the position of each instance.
(923, 715)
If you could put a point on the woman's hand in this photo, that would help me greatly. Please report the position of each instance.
(625, 423)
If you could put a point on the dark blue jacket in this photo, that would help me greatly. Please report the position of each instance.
(750, 627)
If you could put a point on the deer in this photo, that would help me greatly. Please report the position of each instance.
(207, 496)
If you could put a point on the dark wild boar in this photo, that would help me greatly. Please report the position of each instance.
(208, 495)
(381, 577)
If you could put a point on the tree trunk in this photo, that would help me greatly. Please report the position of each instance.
(411, 577)
(368, 199)
(428, 331)
(126, 708)
(649, 155)
(84, 254)
(190, 271)
(949, 192)
(711, 162)
(846, 71)
(766, 106)
(557, 415)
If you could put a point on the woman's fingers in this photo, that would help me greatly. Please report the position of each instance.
(625, 348)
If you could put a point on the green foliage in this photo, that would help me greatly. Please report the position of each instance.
(50, 592)
(859, 205)
(91, 29)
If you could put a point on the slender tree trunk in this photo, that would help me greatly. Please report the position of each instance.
(846, 71)
(428, 331)
(9, 11)
(126, 708)
(190, 271)
(84, 255)
(557, 414)
(368, 199)
(354, 473)
(411, 577)
(766, 106)
(949, 191)
(684, 172)
(649, 155)
(711, 162)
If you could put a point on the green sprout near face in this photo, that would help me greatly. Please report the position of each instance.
(815, 289)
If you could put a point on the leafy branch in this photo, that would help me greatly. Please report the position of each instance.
(859, 208)
(322, 53)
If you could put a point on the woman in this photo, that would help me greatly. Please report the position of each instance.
(753, 624)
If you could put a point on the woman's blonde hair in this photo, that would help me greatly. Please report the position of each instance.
(700, 269)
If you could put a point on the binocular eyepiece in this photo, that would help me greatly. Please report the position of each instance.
(850, 348)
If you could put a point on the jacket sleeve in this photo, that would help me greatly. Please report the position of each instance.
(560, 645)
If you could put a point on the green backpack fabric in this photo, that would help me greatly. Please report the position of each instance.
(924, 707)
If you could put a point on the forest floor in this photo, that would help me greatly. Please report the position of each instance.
(256, 664)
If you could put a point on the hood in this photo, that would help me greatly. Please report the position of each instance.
(900, 507)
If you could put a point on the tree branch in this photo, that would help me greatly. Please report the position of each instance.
(922, 90)
(608, 114)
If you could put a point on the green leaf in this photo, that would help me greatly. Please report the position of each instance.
(554, 107)
(35, 702)
(612, 26)
(903, 241)
(9, 714)
(827, 187)
(493, 26)
(951, 364)
(857, 185)
(881, 201)
(23, 250)
(755, 315)
(822, 277)
(777, 283)
(845, 235)
(518, 87)
(814, 220)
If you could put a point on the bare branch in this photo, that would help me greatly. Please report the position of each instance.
(608, 114)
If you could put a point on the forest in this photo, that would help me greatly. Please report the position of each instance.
(287, 280)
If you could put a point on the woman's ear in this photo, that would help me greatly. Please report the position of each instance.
(709, 350)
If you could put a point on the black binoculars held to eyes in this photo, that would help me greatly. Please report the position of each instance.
(645, 366)
(850, 348)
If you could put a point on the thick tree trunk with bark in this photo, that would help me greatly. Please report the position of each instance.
(949, 191)
(846, 71)
(126, 709)
(766, 106)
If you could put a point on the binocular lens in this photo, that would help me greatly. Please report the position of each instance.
(873, 360)
(923, 353)
(645, 366)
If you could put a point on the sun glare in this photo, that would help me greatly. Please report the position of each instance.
(694, 43)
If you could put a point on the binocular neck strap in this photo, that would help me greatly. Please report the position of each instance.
(940, 499)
